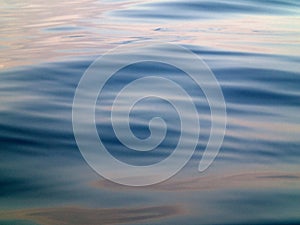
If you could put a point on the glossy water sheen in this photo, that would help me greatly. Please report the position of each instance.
(251, 46)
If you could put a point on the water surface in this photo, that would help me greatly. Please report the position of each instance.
(251, 46)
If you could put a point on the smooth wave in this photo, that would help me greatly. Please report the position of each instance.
(251, 46)
(180, 10)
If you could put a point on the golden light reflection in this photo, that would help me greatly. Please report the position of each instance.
(79, 215)
(239, 180)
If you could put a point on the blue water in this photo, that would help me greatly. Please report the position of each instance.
(251, 46)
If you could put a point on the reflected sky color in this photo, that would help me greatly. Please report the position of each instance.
(92, 27)
(251, 46)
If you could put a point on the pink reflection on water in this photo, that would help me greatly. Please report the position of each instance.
(34, 32)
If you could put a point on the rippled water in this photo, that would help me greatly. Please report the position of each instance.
(251, 46)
